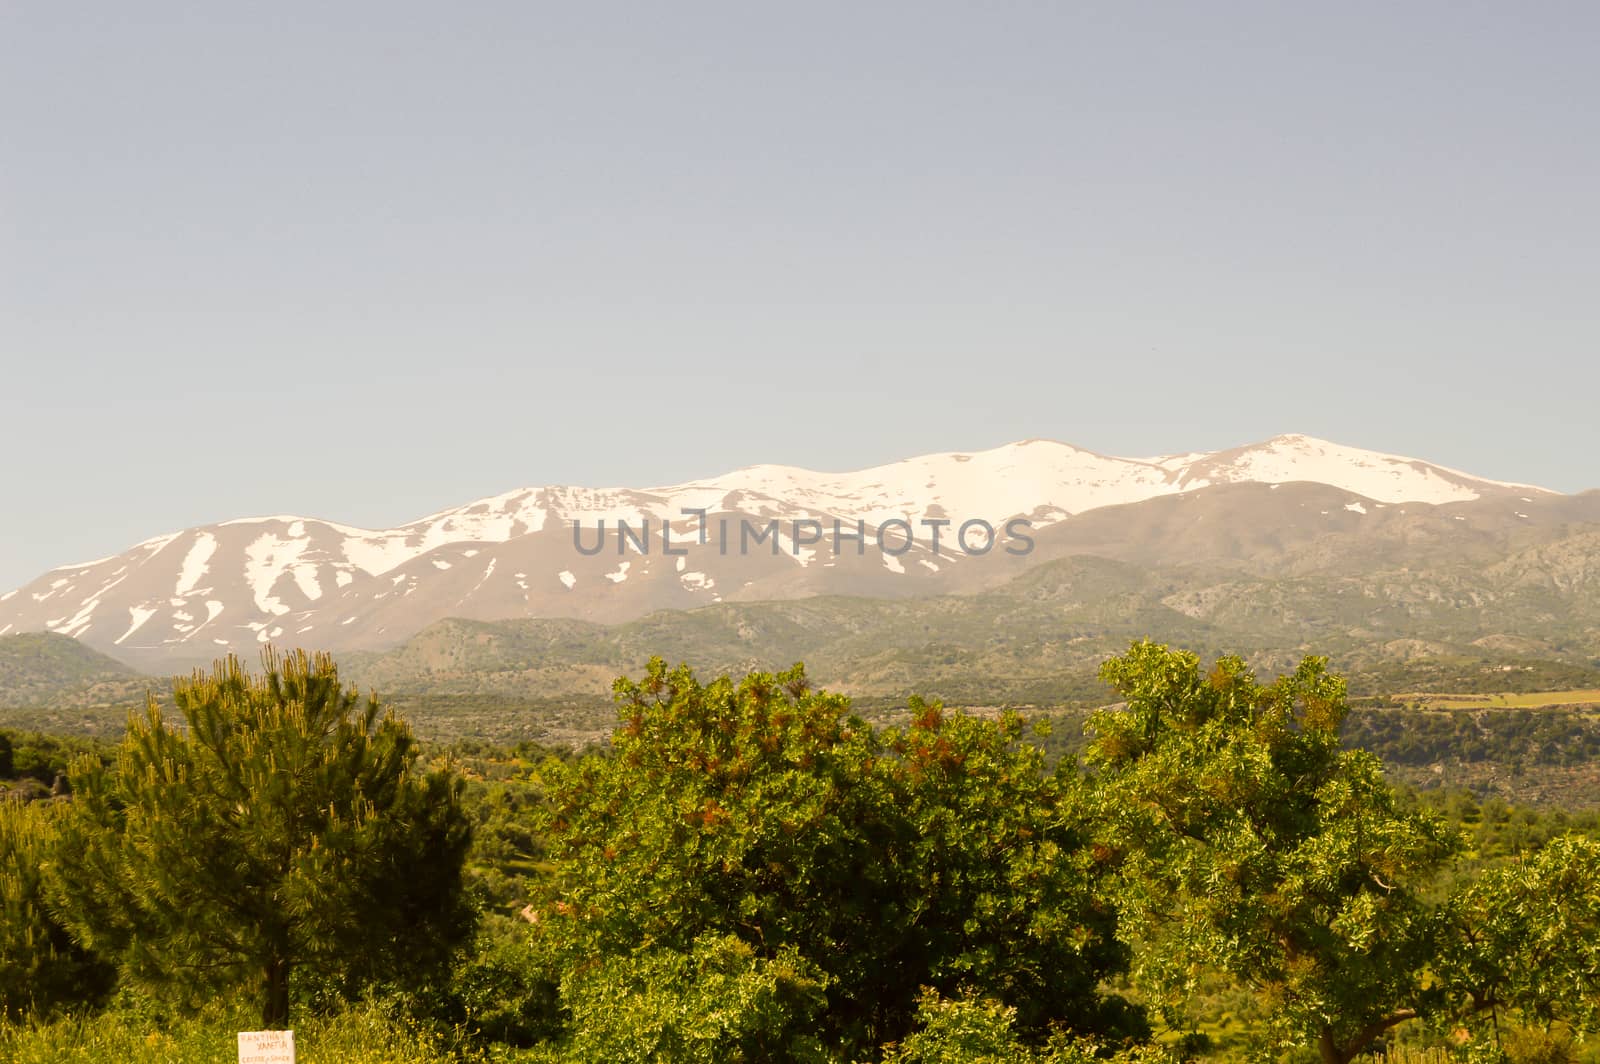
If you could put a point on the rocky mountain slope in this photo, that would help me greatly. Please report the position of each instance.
(1531, 618)
(1462, 597)
(775, 533)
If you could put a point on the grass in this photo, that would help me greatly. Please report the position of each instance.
(361, 1034)
(1579, 696)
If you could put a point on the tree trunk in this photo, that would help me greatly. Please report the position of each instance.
(1333, 1053)
(1328, 1050)
(275, 1008)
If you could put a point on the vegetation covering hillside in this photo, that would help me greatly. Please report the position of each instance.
(1066, 615)
(45, 670)
(1471, 598)
(548, 681)
(1039, 639)
(52, 683)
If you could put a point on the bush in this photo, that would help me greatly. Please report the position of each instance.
(718, 1003)
(361, 1034)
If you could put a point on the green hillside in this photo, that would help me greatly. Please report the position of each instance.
(1530, 623)
(46, 670)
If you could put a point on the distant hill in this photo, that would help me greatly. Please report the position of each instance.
(1530, 620)
(47, 670)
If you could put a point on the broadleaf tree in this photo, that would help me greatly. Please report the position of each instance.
(937, 855)
(1253, 844)
(1522, 941)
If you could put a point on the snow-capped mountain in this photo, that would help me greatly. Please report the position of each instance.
(763, 532)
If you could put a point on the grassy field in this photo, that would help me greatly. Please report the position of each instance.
(1580, 696)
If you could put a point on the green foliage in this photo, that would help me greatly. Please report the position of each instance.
(936, 855)
(41, 968)
(1497, 831)
(717, 1002)
(971, 1030)
(361, 1033)
(507, 852)
(286, 832)
(1252, 843)
(1004, 892)
(963, 1031)
(1547, 737)
(42, 668)
(1524, 938)
(498, 989)
(42, 758)
(751, 872)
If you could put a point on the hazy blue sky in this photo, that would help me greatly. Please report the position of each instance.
(365, 261)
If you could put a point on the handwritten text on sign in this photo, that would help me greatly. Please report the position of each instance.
(266, 1047)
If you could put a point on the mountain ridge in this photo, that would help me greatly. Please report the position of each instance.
(184, 597)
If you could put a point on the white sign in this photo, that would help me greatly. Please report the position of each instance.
(266, 1047)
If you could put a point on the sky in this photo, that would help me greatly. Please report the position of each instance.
(365, 261)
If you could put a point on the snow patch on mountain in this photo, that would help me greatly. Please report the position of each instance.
(305, 577)
(1381, 477)
(195, 563)
(137, 615)
(267, 559)
(78, 623)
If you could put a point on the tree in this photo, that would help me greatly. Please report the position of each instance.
(1252, 843)
(41, 968)
(1524, 939)
(286, 832)
(1008, 896)
(937, 855)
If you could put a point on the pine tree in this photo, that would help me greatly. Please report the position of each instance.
(287, 832)
(40, 966)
